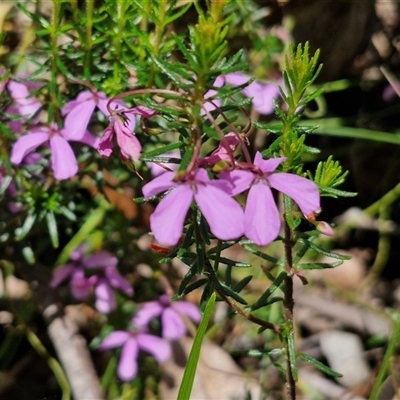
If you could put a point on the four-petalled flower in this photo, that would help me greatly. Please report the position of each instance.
(171, 313)
(261, 215)
(223, 214)
(131, 342)
(106, 278)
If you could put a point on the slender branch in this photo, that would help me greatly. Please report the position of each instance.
(236, 307)
(289, 306)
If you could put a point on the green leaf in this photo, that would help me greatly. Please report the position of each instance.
(227, 261)
(148, 156)
(189, 57)
(26, 227)
(319, 365)
(165, 67)
(227, 291)
(52, 228)
(178, 14)
(246, 244)
(242, 284)
(292, 355)
(185, 388)
(263, 300)
(189, 288)
(321, 250)
(93, 219)
(332, 192)
(187, 278)
(29, 255)
(309, 266)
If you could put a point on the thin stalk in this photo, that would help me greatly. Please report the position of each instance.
(88, 44)
(235, 306)
(386, 361)
(54, 54)
(288, 308)
(383, 251)
(52, 363)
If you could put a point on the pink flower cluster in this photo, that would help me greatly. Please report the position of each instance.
(260, 220)
(97, 273)
(172, 316)
(77, 114)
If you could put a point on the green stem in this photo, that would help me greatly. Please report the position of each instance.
(54, 54)
(88, 44)
(159, 34)
(383, 251)
(52, 363)
(386, 360)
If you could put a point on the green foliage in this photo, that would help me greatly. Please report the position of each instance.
(328, 175)
(190, 370)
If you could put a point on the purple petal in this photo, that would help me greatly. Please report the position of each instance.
(101, 259)
(189, 309)
(114, 339)
(154, 345)
(127, 366)
(147, 312)
(239, 180)
(224, 214)
(80, 99)
(89, 140)
(269, 165)
(263, 101)
(229, 141)
(236, 78)
(128, 143)
(262, 221)
(60, 274)
(143, 111)
(26, 144)
(80, 285)
(105, 144)
(20, 93)
(63, 158)
(303, 191)
(105, 298)
(78, 252)
(117, 281)
(77, 120)
(224, 185)
(159, 184)
(173, 326)
(168, 218)
(102, 101)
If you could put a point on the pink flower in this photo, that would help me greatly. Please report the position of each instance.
(261, 216)
(131, 342)
(63, 159)
(78, 112)
(262, 93)
(173, 325)
(210, 105)
(106, 277)
(223, 214)
(122, 125)
(221, 155)
(20, 92)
